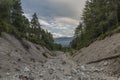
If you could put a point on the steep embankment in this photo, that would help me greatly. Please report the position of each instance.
(17, 56)
(102, 54)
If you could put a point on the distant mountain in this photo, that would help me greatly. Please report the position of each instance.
(64, 41)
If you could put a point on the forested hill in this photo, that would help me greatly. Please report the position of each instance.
(64, 41)
(13, 21)
(100, 18)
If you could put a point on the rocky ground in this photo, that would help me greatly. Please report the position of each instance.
(23, 60)
(104, 54)
(58, 68)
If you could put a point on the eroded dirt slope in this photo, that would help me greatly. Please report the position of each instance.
(104, 54)
(17, 55)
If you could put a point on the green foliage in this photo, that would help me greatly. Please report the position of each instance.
(5, 7)
(39, 35)
(109, 33)
(6, 27)
(100, 18)
(13, 21)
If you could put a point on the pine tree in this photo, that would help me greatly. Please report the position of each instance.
(36, 27)
(5, 8)
(79, 30)
(5, 11)
(18, 20)
(99, 17)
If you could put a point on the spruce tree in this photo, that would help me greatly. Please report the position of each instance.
(36, 27)
(99, 18)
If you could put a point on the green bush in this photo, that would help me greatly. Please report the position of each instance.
(6, 27)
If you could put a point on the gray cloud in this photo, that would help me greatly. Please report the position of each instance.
(60, 17)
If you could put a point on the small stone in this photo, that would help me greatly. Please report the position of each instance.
(51, 71)
(7, 73)
(26, 69)
(41, 75)
(105, 63)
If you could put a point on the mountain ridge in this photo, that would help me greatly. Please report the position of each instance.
(64, 41)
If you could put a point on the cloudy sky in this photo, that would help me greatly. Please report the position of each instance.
(60, 17)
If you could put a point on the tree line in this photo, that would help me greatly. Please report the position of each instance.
(13, 21)
(100, 18)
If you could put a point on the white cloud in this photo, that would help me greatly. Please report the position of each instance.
(60, 17)
(28, 16)
(62, 31)
(67, 20)
(59, 27)
(68, 8)
(56, 35)
(43, 22)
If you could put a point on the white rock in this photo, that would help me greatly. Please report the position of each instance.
(83, 67)
(7, 73)
(26, 69)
